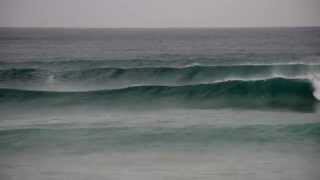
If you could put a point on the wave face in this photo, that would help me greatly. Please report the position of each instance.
(270, 93)
(113, 77)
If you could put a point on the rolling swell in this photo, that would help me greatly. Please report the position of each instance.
(113, 77)
(269, 93)
(25, 74)
(192, 73)
(102, 138)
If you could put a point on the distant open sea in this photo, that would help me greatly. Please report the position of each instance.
(174, 104)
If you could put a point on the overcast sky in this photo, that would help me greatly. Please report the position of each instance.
(159, 13)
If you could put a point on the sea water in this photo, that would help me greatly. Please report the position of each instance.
(160, 103)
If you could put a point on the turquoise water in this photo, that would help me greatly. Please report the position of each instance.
(160, 103)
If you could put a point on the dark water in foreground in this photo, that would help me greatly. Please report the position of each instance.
(160, 104)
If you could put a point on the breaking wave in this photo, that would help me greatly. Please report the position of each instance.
(268, 93)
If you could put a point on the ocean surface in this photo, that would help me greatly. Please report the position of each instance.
(159, 104)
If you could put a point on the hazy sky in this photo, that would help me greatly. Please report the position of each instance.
(159, 13)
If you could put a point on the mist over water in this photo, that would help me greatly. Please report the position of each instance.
(160, 103)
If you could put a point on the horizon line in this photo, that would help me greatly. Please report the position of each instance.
(169, 27)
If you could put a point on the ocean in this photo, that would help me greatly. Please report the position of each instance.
(160, 103)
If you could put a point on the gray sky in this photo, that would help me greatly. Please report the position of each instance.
(159, 13)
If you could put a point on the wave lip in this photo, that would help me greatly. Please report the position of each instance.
(269, 93)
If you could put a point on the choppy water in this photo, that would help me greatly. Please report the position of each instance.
(160, 103)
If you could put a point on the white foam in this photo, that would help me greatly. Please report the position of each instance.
(316, 85)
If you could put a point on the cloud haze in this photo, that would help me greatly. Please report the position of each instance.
(159, 13)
